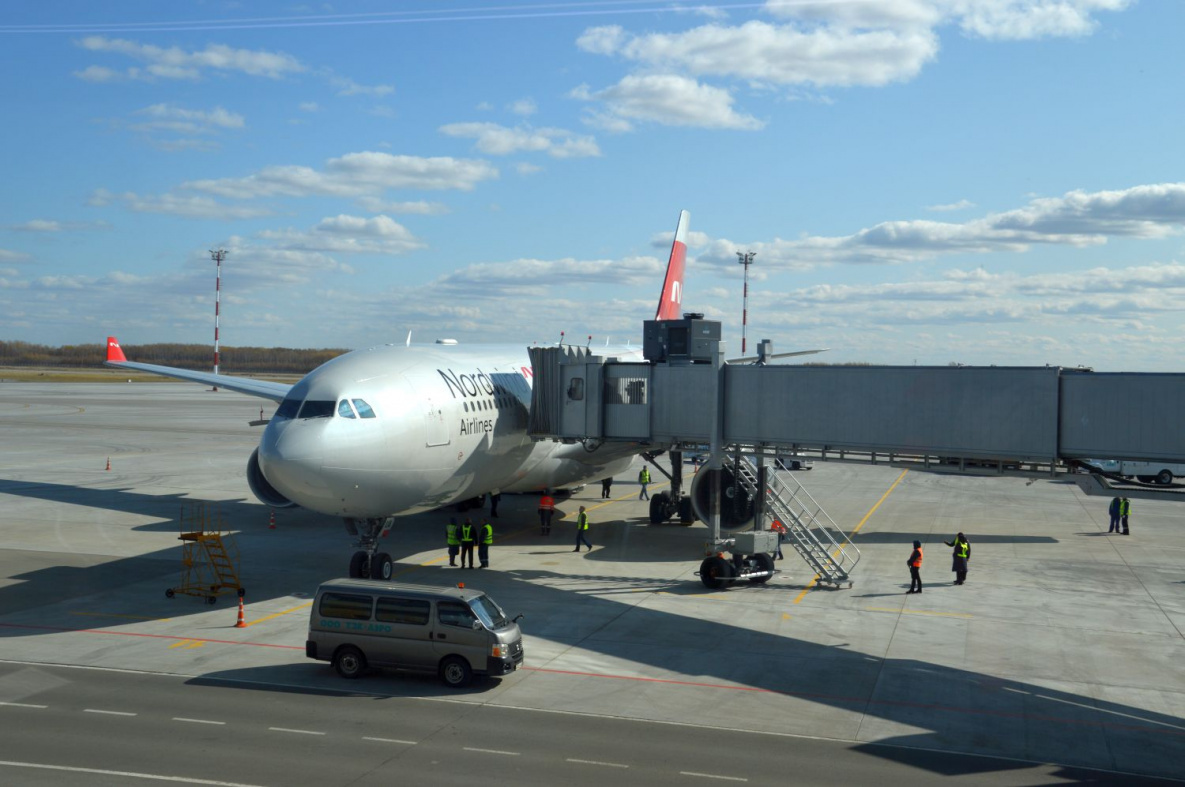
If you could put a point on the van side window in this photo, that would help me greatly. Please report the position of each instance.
(402, 610)
(345, 605)
(454, 613)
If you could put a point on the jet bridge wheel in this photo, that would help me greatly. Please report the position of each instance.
(762, 562)
(716, 572)
(1164, 477)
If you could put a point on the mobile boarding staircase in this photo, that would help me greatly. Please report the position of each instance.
(805, 527)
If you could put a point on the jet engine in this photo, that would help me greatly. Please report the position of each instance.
(264, 491)
(736, 504)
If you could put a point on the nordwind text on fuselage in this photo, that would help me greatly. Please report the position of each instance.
(472, 386)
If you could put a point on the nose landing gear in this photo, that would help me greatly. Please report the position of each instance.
(368, 562)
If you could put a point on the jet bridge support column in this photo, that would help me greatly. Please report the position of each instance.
(751, 551)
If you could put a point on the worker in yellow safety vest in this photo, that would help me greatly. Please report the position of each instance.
(468, 538)
(582, 531)
(486, 537)
(454, 543)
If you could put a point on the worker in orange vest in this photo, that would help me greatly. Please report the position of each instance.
(915, 568)
(546, 509)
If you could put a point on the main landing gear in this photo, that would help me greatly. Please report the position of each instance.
(368, 562)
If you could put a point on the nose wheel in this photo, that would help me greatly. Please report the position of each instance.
(368, 562)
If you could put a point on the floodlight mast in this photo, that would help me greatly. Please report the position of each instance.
(218, 256)
(745, 259)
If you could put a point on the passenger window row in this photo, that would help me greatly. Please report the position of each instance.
(407, 611)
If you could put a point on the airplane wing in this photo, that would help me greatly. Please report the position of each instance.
(262, 388)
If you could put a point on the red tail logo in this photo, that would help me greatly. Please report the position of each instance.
(670, 303)
(114, 352)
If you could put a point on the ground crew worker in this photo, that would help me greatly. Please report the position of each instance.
(780, 529)
(915, 568)
(468, 536)
(546, 509)
(494, 498)
(1125, 508)
(483, 545)
(1113, 510)
(582, 531)
(606, 487)
(454, 543)
(960, 556)
(644, 479)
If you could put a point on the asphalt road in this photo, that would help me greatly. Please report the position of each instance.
(68, 726)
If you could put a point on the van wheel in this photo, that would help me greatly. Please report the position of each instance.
(349, 662)
(455, 672)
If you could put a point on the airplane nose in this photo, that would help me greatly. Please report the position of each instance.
(291, 454)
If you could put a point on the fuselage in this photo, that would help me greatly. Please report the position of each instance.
(402, 429)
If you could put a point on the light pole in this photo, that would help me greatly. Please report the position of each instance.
(218, 256)
(745, 259)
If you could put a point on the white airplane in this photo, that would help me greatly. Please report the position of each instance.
(401, 429)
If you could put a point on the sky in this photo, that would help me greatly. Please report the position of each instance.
(920, 181)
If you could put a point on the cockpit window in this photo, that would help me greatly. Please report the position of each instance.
(287, 409)
(344, 409)
(363, 408)
(316, 408)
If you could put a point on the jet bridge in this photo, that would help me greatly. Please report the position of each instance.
(684, 396)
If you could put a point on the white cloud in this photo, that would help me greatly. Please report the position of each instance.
(523, 168)
(99, 74)
(309, 106)
(169, 117)
(353, 175)
(776, 54)
(7, 255)
(667, 99)
(187, 205)
(348, 87)
(176, 63)
(962, 204)
(348, 235)
(524, 106)
(54, 226)
(1076, 219)
(498, 140)
(420, 208)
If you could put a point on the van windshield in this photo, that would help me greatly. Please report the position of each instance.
(491, 614)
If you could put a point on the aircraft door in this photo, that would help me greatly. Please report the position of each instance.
(436, 424)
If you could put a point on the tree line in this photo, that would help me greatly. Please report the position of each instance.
(233, 360)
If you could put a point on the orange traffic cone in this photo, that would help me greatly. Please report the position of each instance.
(108, 463)
(242, 624)
(271, 520)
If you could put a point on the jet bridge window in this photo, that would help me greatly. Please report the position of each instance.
(317, 408)
(344, 409)
(346, 606)
(363, 409)
(625, 390)
(576, 389)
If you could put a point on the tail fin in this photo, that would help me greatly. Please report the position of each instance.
(670, 302)
(114, 352)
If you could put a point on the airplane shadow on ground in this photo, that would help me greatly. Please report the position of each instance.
(933, 706)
